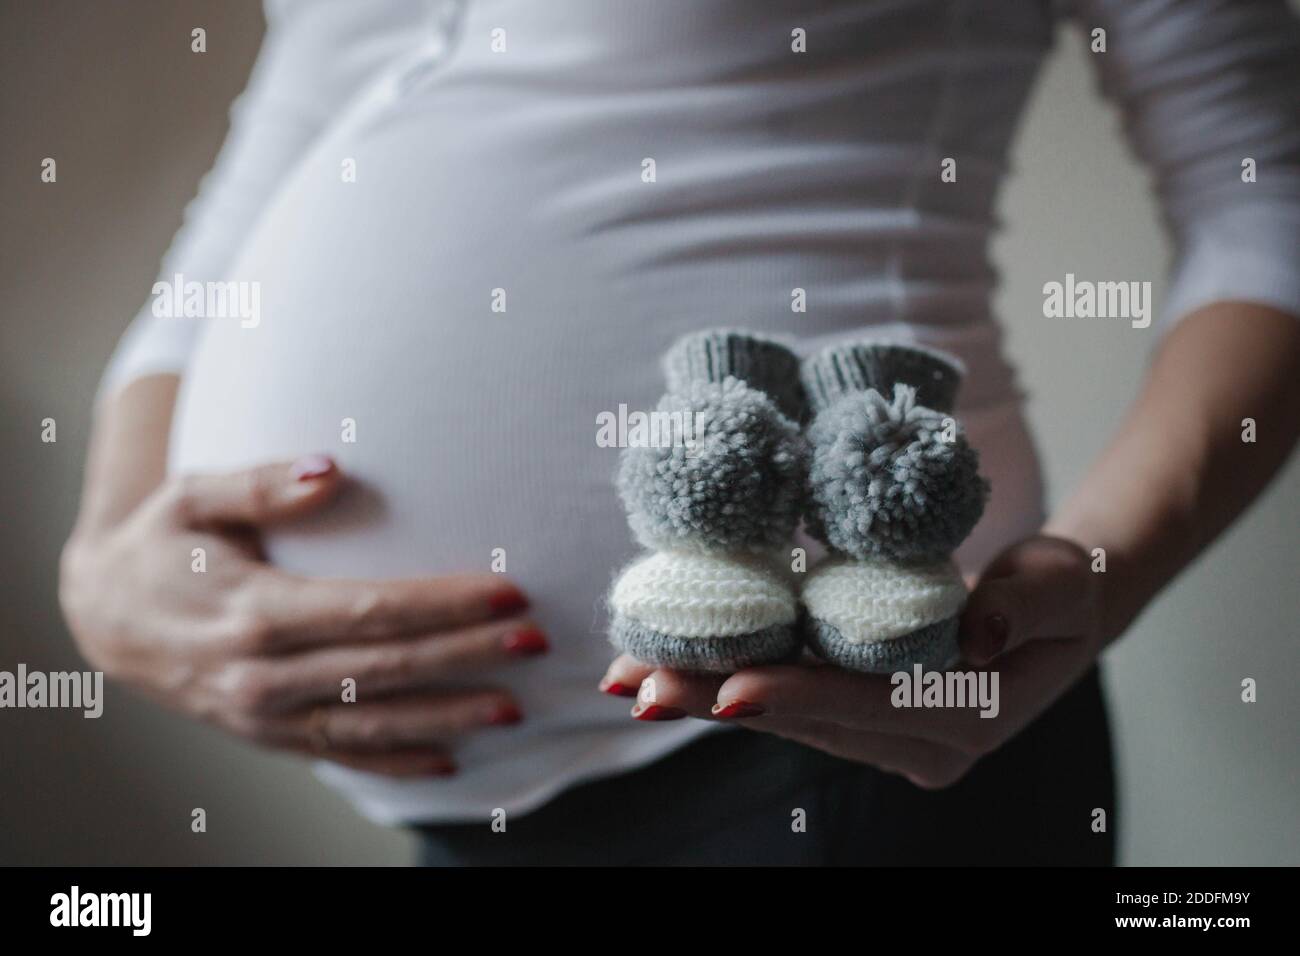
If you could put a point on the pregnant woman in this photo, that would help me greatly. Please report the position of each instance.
(472, 227)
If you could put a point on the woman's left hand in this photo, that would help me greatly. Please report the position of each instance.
(1034, 618)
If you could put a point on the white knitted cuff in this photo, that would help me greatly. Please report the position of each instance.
(878, 600)
(701, 595)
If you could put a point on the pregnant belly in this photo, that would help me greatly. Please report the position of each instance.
(469, 434)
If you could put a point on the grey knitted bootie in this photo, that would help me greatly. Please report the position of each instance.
(894, 488)
(716, 505)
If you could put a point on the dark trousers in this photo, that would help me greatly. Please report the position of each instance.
(733, 798)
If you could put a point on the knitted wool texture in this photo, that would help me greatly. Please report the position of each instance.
(933, 647)
(709, 504)
(703, 596)
(842, 370)
(896, 492)
(714, 655)
(873, 601)
(886, 482)
(880, 617)
(763, 363)
(736, 486)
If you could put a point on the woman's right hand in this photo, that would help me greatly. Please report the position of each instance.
(265, 654)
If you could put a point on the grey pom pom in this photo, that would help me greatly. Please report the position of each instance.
(736, 486)
(885, 482)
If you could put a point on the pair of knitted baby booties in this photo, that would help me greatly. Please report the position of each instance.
(858, 442)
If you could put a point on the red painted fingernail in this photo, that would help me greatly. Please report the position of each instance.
(527, 642)
(738, 708)
(506, 715)
(655, 712)
(505, 603)
(995, 625)
(618, 690)
(311, 466)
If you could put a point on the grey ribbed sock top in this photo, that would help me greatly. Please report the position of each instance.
(844, 369)
(763, 364)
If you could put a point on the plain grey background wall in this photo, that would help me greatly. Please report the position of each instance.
(133, 118)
